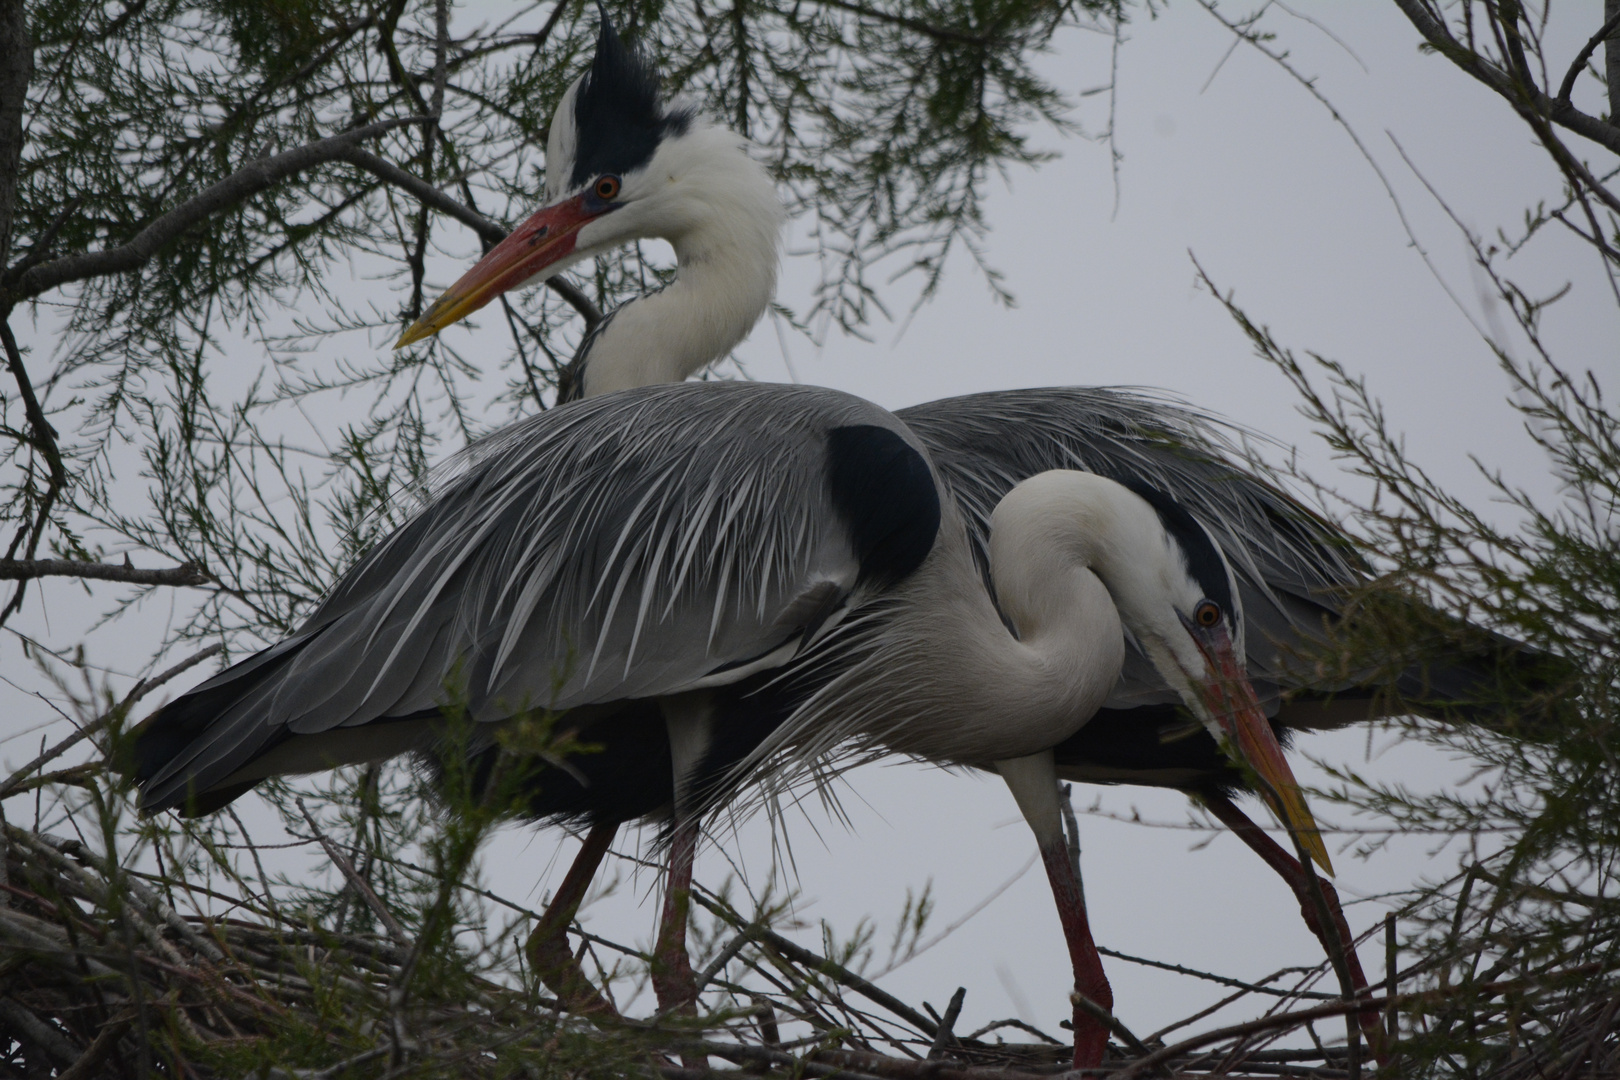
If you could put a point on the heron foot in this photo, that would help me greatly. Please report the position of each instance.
(547, 947)
(560, 971)
(1090, 1033)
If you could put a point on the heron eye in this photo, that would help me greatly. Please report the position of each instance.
(607, 187)
(1207, 614)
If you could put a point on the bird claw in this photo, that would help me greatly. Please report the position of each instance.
(674, 984)
(1090, 1034)
(562, 975)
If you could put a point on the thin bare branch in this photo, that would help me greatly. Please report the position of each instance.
(254, 177)
(25, 569)
(138, 691)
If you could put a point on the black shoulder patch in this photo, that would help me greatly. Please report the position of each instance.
(1204, 562)
(884, 493)
(618, 119)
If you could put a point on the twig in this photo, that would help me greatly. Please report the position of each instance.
(727, 954)
(1224, 980)
(1108, 1020)
(25, 569)
(1575, 67)
(901, 1069)
(42, 436)
(837, 972)
(356, 882)
(140, 690)
(1340, 1008)
(1020, 1025)
(90, 1061)
(943, 1037)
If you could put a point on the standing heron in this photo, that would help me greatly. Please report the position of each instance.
(622, 165)
(722, 567)
(668, 547)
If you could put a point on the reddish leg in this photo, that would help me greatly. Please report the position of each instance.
(1033, 781)
(672, 977)
(1288, 868)
(1090, 1036)
(548, 944)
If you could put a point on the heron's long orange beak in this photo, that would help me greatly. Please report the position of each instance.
(543, 240)
(1230, 699)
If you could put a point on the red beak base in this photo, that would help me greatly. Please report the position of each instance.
(540, 242)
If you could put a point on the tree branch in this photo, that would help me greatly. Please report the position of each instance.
(138, 691)
(27, 569)
(1147, 1065)
(43, 438)
(1611, 61)
(1524, 99)
(252, 178)
(16, 68)
(837, 972)
(1579, 63)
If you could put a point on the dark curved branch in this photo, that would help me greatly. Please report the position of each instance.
(28, 569)
(1611, 62)
(252, 178)
(488, 231)
(1527, 100)
(1584, 55)
(16, 68)
(42, 436)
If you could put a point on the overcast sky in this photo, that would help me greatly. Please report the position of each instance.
(1251, 175)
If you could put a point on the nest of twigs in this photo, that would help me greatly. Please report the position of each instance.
(100, 976)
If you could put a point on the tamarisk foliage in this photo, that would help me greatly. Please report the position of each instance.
(1520, 944)
(185, 184)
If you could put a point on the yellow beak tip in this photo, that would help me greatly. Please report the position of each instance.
(415, 333)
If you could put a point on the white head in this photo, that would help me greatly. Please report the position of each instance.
(1174, 591)
(624, 165)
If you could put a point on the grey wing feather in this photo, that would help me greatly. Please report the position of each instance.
(627, 546)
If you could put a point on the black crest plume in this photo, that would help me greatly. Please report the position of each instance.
(1204, 562)
(618, 119)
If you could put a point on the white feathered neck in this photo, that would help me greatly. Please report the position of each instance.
(718, 208)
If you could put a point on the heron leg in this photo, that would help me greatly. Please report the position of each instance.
(689, 721)
(1034, 784)
(672, 977)
(1289, 869)
(548, 948)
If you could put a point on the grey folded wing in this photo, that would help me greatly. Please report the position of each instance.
(629, 546)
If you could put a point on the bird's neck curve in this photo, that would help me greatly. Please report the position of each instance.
(727, 253)
(1074, 558)
(957, 686)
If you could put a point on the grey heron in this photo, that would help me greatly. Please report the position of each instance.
(476, 583)
(668, 545)
(695, 186)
